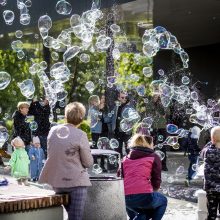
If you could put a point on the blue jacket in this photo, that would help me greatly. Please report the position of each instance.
(97, 118)
(36, 164)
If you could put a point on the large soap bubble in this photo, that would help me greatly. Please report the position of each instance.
(8, 16)
(70, 53)
(17, 45)
(171, 128)
(63, 7)
(27, 88)
(44, 23)
(5, 79)
(90, 86)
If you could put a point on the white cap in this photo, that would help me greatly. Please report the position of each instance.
(17, 142)
(36, 140)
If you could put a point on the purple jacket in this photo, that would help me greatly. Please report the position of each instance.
(141, 170)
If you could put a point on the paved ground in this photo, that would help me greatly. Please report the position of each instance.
(181, 199)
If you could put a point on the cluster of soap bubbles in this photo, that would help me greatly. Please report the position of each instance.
(129, 118)
(159, 38)
(106, 144)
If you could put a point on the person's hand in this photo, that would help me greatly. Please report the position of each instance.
(33, 157)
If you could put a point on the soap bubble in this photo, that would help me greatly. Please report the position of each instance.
(160, 138)
(85, 58)
(34, 68)
(90, 86)
(60, 72)
(25, 19)
(62, 104)
(5, 79)
(27, 88)
(161, 72)
(160, 154)
(33, 126)
(17, 45)
(74, 20)
(112, 159)
(61, 95)
(171, 140)
(94, 117)
(185, 80)
(116, 53)
(55, 56)
(44, 23)
(148, 121)
(70, 53)
(134, 77)
(114, 143)
(63, 7)
(8, 16)
(140, 90)
(171, 128)
(20, 54)
(3, 138)
(126, 125)
(103, 42)
(147, 71)
(96, 169)
(3, 2)
(103, 143)
(194, 167)
(43, 65)
(180, 170)
(194, 96)
(115, 28)
(62, 132)
(19, 34)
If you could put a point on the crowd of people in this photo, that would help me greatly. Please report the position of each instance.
(41, 152)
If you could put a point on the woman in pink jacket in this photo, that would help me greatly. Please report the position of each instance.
(141, 171)
(68, 157)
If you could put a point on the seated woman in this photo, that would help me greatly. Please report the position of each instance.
(141, 171)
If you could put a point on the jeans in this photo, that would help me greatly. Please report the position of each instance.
(193, 160)
(146, 206)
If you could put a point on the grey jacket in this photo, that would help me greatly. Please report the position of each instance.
(68, 157)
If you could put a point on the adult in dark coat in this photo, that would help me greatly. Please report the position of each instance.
(21, 127)
(41, 112)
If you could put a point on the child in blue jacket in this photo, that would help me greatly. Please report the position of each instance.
(37, 157)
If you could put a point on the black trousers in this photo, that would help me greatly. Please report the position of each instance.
(213, 204)
(122, 138)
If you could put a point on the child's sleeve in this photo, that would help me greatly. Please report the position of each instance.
(13, 160)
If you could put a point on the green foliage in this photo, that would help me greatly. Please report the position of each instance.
(86, 128)
(18, 69)
(131, 65)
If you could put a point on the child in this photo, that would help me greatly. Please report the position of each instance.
(141, 171)
(19, 162)
(36, 155)
(211, 154)
(192, 148)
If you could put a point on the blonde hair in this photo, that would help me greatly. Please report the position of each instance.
(215, 135)
(92, 99)
(141, 140)
(22, 105)
(75, 112)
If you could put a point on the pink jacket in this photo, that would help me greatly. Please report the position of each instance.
(67, 159)
(141, 171)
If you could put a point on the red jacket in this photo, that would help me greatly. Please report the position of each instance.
(141, 170)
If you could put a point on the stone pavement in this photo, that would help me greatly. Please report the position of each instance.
(181, 199)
